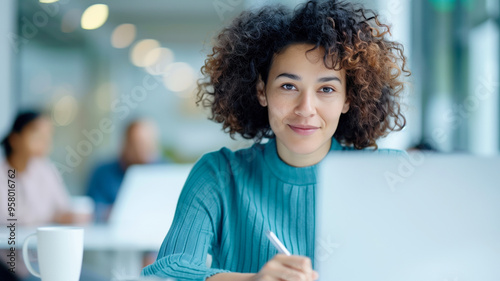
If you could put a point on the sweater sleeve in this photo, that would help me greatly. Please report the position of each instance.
(194, 230)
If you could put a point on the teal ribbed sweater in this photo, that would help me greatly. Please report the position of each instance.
(228, 202)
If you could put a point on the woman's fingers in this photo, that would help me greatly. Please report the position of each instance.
(315, 275)
(275, 270)
(296, 262)
(290, 268)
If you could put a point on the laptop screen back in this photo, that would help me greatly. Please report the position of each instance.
(412, 219)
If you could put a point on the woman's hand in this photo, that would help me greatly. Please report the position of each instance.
(73, 218)
(280, 268)
(287, 268)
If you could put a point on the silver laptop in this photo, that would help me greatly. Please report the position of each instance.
(421, 218)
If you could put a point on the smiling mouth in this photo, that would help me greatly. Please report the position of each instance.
(303, 130)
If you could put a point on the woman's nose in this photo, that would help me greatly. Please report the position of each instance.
(306, 105)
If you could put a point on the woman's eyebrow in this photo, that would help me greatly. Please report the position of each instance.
(298, 78)
(289, 75)
(329, 78)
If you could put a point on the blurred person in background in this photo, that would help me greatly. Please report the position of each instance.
(40, 194)
(140, 146)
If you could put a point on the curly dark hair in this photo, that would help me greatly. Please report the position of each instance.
(353, 39)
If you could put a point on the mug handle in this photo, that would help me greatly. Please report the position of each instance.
(26, 258)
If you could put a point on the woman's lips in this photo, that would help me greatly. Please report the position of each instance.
(303, 130)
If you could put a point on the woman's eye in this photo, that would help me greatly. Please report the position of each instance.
(288, 87)
(327, 90)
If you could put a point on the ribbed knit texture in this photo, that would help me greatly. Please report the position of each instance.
(228, 202)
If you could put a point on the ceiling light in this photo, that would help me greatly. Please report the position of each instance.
(123, 35)
(140, 50)
(94, 16)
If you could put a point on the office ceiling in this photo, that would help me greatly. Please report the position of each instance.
(154, 18)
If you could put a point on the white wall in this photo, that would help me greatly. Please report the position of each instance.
(397, 13)
(480, 107)
(7, 30)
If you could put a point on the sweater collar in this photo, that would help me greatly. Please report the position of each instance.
(290, 174)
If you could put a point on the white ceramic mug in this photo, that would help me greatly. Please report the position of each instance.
(60, 253)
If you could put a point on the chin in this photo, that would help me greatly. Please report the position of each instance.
(302, 146)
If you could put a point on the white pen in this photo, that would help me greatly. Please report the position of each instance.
(277, 243)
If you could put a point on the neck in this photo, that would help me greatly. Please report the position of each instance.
(18, 161)
(302, 160)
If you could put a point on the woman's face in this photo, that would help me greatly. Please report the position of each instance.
(304, 100)
(35, 139)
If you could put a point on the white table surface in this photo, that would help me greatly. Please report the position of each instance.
(96, 238)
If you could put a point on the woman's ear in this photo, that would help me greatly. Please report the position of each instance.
(346, 106)
(261, 92)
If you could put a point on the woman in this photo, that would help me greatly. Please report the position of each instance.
(41, 197)
(321, 79)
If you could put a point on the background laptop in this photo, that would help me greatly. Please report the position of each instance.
(425, 218)
(145, 206)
